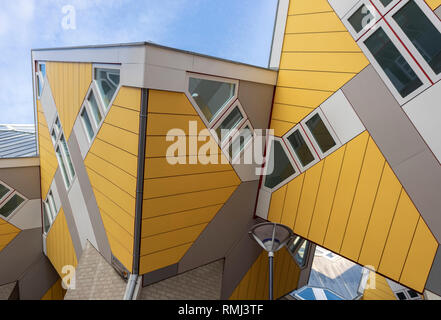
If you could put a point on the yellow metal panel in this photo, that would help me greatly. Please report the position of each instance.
(160, 259)
(292, 200)
(308, 6)
(154, 188)
(281, 127)
(347, 184)
(170, 102)
(301, 97)
(171, 222)
(289, 113)
(328, 81)
(113, 174)
(120, 252)
(120, 138)
(370, 176)
(5, 239)
(55, 293)
(160, 167)
(399, 239)
(379, 290)
(320, 42)
(60, 249)
(183, 202)
(161, 124)
(129, 98)
(276, 205)
(126, 119)
(308, 199)
(420, 258)
(318, 22)
(381, 219)
(113, 229)
(325, 197)
(7, 228)
(157, 147)
(433, 4)
(118, 157)
(352, 62)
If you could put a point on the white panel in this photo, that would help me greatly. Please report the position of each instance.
(162, 78)
(342, 117)
(48, 104)
(80, 134)
(263, 204)
(19, 163)
(279, 34)
(29, 216)
(425, 113)
(169, 58)
(132, 75)
(81, 215)
(341, 7)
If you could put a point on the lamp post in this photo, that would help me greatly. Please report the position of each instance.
(271, 237)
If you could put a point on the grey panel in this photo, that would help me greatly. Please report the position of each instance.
(383, 117)
(68, 213)
(434, 281)
(230, 224)
(306, 272)
(257, 101)
(409, 156)
(87, 191)
(159, 275)
(438, 12)
(37, 280)
(238, 261)
(421, 177)
(24, 180)
(20, 254)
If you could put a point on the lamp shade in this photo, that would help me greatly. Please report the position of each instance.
(271, 236)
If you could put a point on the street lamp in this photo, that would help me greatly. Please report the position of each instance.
(271, 237)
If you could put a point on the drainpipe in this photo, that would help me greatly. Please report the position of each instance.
(134, 278)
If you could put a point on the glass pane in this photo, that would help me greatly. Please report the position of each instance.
(68, 159)
(301, 148)
(240, 141)
(230, 122)
(283, 168)
(58, 125)
(108, 82)
(420, 30)
(39, 86)
(393, 63)
(3, 191)
(95, 109)
(11, 205)
(52, 205)
(385, 3)
(302, 253)
(361, 18)
(211, 96)
(46, 218)
(54, 136)
(87, 124)
(63, 167)
(43, 70)
(294, 244)
(412, 294)
(321, 133)
(401, 296)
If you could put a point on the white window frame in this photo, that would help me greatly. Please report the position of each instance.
(40, 78)
(239, 125)
(328, 126)
(68, 181)
(408, 297)
(235, 134)
(93, 89)
(9, 197)
(272, 140)
(222, 111)
(6, 196)
(97, 90)
(53, 210)
(377, 17)
(403, 37)
(384, 10)
(426, 83)
(294, 155)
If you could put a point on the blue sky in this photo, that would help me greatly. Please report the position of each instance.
(239, 30)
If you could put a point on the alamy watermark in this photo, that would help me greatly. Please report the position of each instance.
(69, 20)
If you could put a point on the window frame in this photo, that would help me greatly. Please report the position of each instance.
(6, 196)
(94, 85)
(308, 143)
(93, 89)
(294, 253)
(39, 78)
(272, 140)
(54, 213)
(407, 57)
(222, 111)
(5, 200)
(230, 109)
(377, 17)
(232, 137)
(409, 45)
(330, 129)
(385, 9)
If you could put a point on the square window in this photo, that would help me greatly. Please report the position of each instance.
(96, 113)
(321, 134)
(279, 167)
(11, 205)
(239, 142)
(401, 296)
(230, 122)
(107, 81)
(301, 148)
(87, 124)
(3, 191)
